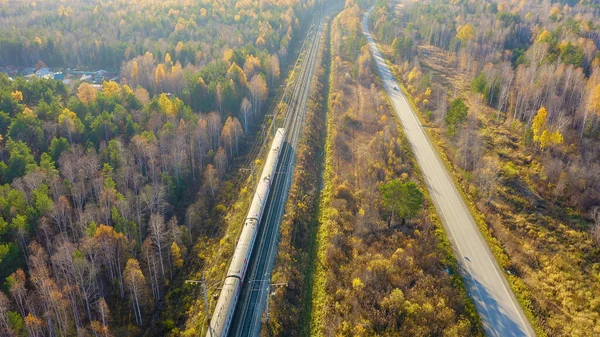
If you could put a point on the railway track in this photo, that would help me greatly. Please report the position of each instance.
(251, 303)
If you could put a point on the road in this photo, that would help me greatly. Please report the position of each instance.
(499, 310)
(251, 303)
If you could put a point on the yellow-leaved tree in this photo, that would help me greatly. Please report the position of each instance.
(135, 71)
(179, 47)
(539, 123)
(168, 60)
(176, 255)
(545, 36)
(111, 88)
(17, 95)
(86, 93)
(541, 135)
(69, 121)
(465, 33)
(550, 138)
(168, 107)
(29, 113)
(593, 106)
(127, 89)
(159, 75)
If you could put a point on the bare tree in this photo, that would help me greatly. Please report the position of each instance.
(16, 283)
(211, 180)
(104, 315)
(110, 246)
(258, 92)
(150, 259)
(245, 109)
(221, 162)
(5, 329)
(596, 226)
(179, 150)
(159, 236)
(137, 288)
(214, 128)
(202, 141)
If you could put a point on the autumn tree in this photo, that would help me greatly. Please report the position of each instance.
(220, 161)
(159, 236)
(231, 136)
(176, 255)
(86, 93)
(592, 108)
(16, 283)
(150, 257)
(211, 180)
(541, 134)
(110, 246)
(245, 109)
(5, 328)
(258, 92)
(159, 77)
(34, 325)
(252, 66)
(487, 175)
(202, 142)
(237, 75)
(104, 314)
(111, 88)
(69, 121)
(167, 105)
(137, 288)
(465, 33)
(17, 95)
(272, 69)
(595, 230)
(135, 72)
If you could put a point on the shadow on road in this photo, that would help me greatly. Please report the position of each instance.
(504, 325)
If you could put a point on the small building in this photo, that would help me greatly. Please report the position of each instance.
(98, 79)
(28, 71)
(44, 73)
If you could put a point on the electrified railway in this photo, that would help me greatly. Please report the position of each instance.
(241, 301)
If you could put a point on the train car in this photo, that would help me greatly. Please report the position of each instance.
(223, 314)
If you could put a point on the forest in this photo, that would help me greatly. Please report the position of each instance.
(100, 215)
(511, 92)
(108, 192)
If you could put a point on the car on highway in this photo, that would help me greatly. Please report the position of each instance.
(396, 88)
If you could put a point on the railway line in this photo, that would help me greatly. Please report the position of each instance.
(247, 318)
(241, 302)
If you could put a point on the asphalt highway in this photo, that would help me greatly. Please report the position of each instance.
(500, 311)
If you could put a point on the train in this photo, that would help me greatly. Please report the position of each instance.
(232, 286)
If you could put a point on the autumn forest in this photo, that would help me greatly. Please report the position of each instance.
(130, 133)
